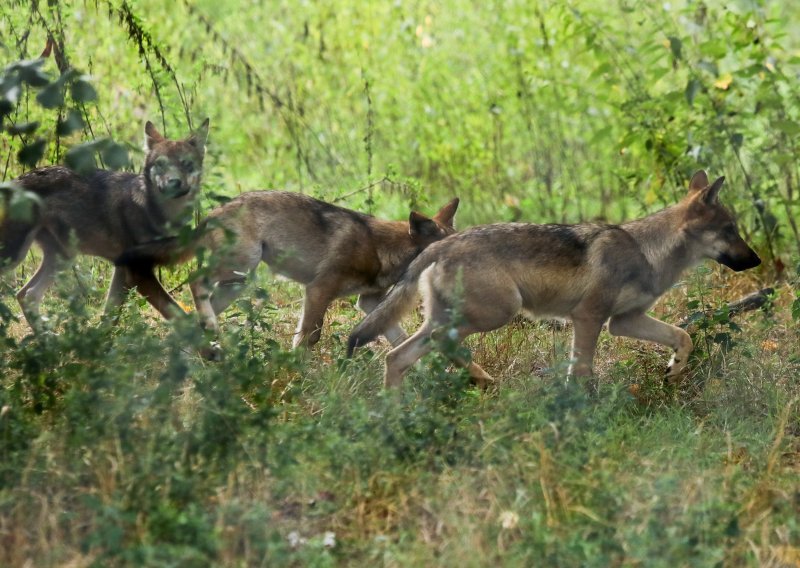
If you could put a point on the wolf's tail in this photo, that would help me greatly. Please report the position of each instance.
(394, 306)
(158, 252)
(163, 251)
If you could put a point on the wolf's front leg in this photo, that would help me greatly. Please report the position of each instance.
(642, 326)
(201, 293)
(116, 293)
(145, 281)
(315, 304)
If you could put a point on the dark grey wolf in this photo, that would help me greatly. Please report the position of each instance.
(104, 213)
(589, 273)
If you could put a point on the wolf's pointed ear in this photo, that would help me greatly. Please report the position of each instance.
(710, 195)
(198, 137)
(419, 224)
(447, 213)
(699, 181)
(151, 135)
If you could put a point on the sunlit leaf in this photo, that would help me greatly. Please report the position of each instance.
(724, 82)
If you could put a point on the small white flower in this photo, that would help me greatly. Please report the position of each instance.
(508, 519)
(295, 540)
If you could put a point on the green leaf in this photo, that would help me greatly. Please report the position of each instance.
(81, 157)
(675, 46)
(52, 96)
(692, 88)
(736, 140)
(32, 153)
(83, 91)
(789, 127)
(601, 70)
(709, 66)
(22, 204)
(31, 73)
(115, 156)
(6, 107)
(72, 122)
(796, 308)
(24, 128)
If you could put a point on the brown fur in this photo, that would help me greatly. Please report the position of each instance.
(590, 273)
(333, 251)
(104, 213)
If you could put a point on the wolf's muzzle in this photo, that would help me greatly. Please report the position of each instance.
(739, 263)
(175, 188)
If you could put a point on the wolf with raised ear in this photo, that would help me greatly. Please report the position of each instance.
(103, 213)
(589, 273)
(332, 250)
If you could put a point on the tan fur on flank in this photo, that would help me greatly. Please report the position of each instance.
(333, 251)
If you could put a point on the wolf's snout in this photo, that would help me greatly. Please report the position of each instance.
(174, 184)
(741, 262)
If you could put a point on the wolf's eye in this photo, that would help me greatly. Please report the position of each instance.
(161, 163)
(187, 165)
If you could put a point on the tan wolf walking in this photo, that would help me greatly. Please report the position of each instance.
(104, 213)
(589, 273)
(333, 251)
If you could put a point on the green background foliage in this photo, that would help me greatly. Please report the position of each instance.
(120, 446)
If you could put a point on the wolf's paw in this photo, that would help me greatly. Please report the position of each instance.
(213, 352)
(675, 371)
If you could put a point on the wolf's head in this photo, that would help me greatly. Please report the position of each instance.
(172, 168)
(426, 230)
(713, 228)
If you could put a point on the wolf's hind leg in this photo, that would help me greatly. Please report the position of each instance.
(394, 334)
(479, 377)
(399, 359)
(642, 326)
(30, 295)
(584, 344)
(226, 292)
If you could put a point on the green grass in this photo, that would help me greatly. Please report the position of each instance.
(122, 446)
